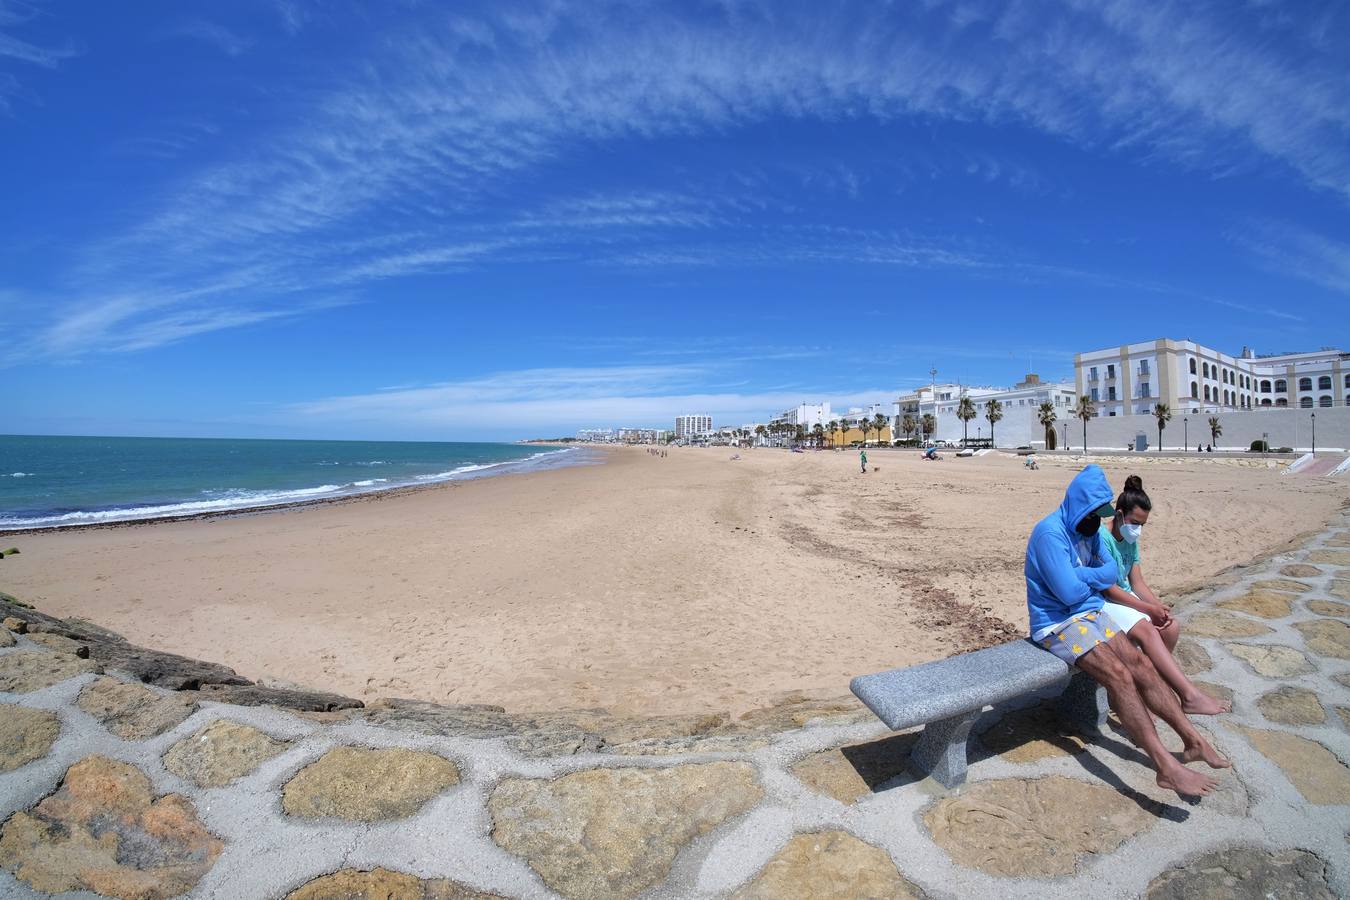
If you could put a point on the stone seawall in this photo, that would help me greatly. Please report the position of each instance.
(130, 773)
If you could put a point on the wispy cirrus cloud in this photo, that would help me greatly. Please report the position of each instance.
(1297, 252)
(438, 152)
(208, 32)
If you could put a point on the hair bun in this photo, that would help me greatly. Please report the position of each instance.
(1134, 483)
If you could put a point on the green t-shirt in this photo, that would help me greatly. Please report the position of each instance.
(1125, 554)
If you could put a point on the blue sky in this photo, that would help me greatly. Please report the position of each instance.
(441, 221)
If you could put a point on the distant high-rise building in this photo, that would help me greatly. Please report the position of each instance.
(690, 426)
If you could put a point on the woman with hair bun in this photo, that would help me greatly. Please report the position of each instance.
(1137, 611)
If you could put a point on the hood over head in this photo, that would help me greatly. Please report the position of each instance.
(1086, 494)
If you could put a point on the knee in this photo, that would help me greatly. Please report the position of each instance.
(1170, 634)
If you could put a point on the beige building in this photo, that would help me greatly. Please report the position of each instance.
(1130, 379)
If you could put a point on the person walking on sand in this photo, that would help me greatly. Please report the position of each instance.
(1067, 568)
(1136, 610)
(862, 457)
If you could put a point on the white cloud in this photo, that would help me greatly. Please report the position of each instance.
(533, 399)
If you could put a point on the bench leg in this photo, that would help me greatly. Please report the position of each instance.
(1084, 704)
(941, 751)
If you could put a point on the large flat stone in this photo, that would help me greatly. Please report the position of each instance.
(25, 735)
(1329, 608)
(1032, 734)
(366, 785)
(258, 695)
(1340, 589)
(25, 671)
(1266, 604)
(1192, 657)
(221, 752)
(1038, 828)
(1299, 570)
(1292, 706)
(524, 734)
(829, 865)
(1329, 557)
(852, 772)
(1287, 585)
(1339, 539)
(1222, 625)
(1320, 777)
(382, 884)
(105, 831)
(615, 832)
(166, 670)
(1271, 660)
(1245, 873)
(7, 638)
(1327, 637)
(131, 711)
(1217, 691)
(61, 644)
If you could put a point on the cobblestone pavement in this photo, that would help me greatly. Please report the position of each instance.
(113, 787)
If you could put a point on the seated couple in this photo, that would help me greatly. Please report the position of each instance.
(1090, 606)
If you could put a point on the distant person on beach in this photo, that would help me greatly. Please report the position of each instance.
(862, 457)
(1136, 610)
(1067, 567)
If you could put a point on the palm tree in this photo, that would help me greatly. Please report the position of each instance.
(1163, 414)
(1215, 429)
(799, 432)
(865, 426)
(907, 425)
(1085, 410)
(965, 411)
(759, 432)
(832, 426)
(1047, 415)
(879, 422)
(929, 422)
(993, 411)
(818, 432)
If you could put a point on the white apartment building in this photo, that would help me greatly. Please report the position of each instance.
(1020, 404)
(692, 426)
(807, 415)
(642, 435)
(596, 435)
(1189, 377)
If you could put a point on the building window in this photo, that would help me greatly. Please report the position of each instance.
(1192, 366)
(1143, 367)
(1194, 394)
(1305, 384)
(1281, 401)
(1281, 386)
(1092, 374)
(1265, 386)
(1111, 392)
(1265, 401)
(1111, 371)
(1206, 393)
(1144, 389)
(1347, 381)
(1306, 403)
(1094, 395)
(1324, 400)
(1324, 383)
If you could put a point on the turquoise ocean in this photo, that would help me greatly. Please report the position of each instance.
(63, 481)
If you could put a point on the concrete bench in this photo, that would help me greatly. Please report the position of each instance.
(947, 696)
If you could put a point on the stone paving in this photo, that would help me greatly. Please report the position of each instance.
(130, 774)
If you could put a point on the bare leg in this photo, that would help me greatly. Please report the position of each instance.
(1170, 633)
(1154, 644)
(1160, 699)
(1106, 667)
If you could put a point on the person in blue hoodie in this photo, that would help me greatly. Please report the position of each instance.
(1067, 568)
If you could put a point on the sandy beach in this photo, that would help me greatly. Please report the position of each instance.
(642, 586)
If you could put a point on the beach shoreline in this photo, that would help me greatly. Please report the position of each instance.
(644, 586)
(355, 496)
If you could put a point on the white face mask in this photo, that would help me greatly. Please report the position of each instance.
(1130, 532)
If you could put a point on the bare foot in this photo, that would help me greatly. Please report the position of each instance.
(1202, 704)
(1186, 782)
(1206, 752)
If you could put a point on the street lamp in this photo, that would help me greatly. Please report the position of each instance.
(932, 373)
(1313, 416)
(1185, 434)
(1066, 435)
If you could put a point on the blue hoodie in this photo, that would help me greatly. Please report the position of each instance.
(1060, 587)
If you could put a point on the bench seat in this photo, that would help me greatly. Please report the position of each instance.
(948, 695)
